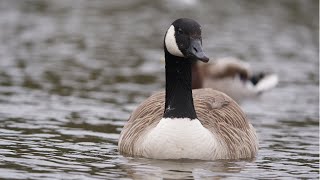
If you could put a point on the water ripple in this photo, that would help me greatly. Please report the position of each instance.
(71, 73)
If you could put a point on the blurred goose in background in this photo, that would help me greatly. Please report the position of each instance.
(182, 123)
(233, 77)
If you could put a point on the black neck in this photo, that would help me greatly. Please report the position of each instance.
(179, 101)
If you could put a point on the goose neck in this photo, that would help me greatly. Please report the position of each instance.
(178, 100)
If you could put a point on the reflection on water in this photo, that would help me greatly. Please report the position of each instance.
(182, 169)
(72, 71)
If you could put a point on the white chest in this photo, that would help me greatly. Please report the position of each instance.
(178, 139)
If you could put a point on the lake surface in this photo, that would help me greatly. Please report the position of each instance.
(71, 72)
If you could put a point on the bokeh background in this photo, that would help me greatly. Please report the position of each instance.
(71, 71)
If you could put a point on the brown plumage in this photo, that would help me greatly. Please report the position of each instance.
(222, 68)
(180, 123)
(233, 77)
(216, 111)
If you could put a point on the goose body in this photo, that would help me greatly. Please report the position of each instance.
(233, 77)
(221, 130)
(183, 124)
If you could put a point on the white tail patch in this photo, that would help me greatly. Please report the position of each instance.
(266, 83)
(171, 43)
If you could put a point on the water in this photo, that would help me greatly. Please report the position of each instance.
(72, 71)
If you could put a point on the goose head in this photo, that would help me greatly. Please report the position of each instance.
(182, 46)
(183, 39)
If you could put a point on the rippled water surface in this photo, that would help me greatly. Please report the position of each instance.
(72, 71)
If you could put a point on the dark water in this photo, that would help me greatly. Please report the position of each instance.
(72, 71)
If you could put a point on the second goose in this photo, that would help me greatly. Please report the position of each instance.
(233, 77)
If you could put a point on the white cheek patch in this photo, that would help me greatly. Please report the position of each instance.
(171, 43)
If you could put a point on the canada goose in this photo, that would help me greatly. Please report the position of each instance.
(233, 77)
(183, 124)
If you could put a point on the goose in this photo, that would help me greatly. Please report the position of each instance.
(181, 123)
(233, 77)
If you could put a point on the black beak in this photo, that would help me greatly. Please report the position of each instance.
(195, 50)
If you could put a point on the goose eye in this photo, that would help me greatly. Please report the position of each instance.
(180, 31)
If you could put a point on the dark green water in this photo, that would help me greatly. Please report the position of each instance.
(72, 71)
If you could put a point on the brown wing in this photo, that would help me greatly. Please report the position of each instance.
(146, 116)
(228, 69)
(224, 118)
